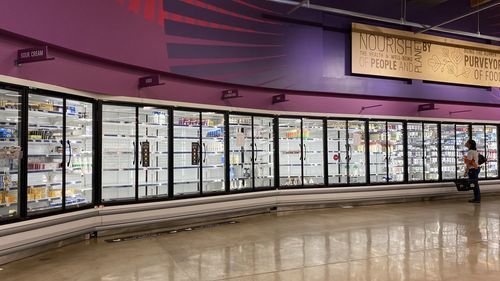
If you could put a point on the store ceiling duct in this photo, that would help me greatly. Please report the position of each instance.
(417, 25)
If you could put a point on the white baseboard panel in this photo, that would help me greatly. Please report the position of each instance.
(24, 235)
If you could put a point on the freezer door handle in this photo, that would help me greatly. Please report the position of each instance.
(254, 155)
(300, 158)
(133, 159)
(70, 153)
(305, 152)
(204, 152)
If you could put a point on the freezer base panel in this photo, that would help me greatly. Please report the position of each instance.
(28, 236)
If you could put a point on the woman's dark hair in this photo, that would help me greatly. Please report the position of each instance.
(472, 144)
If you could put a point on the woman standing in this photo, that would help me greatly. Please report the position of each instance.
(472, 169)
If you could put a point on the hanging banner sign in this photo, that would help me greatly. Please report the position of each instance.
(402, 54)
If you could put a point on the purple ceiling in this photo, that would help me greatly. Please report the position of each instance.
(428, 12)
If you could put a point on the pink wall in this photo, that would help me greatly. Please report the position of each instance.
(86, 74)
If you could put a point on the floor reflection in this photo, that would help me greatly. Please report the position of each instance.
(446, 240)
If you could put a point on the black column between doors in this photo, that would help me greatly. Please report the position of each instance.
(367, 152)
(64, 146)
(226, 153)
(325, 151)
(170, 153)
(136, 157)
(23, 192)
(97, 148)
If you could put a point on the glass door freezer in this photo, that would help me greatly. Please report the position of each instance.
(251, 146)
(422, 146)
(45, 153)
(491, 132)
(462, 136)
(479, 136)
(153, 152)
(290, 151)
(386, 151)
(346, 152)
(263, 153)
(60, 153)
(448, 152)
(10, 152)
(301, 151)
(79, 153)
(199, 152)
(119, 143)
(487, 145)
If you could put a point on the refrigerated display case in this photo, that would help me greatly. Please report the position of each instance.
(251, 149)
(479, 136)
(313, 152)
(263, 138)
(153, 152)
(357, 151)
(487, 145)
(338, 159)
(491, 132)
(448, 152)
(415, 141)
(395, 152)
(10, 152)
(290, 151)
(118, 152)
(241, 149)
(386, 151)
(134, 152)
(79, 153)
(378, 151)
(432, 159)
(199, 148)
(346, 152)
(423, 148)
(301, 152)
(45, 153)
(462, 136)
(60, 153)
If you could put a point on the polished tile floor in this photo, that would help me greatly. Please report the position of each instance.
(440, 240)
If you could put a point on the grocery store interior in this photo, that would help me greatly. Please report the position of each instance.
(249, 140)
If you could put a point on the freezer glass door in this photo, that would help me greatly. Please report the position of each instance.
(395, 147)
(357, 153)
(153, 152)
(378, 152)
(478, 135)
(79, 153)
(118, 152)
(263, 139)
(187, 153)
(45, 153)
(213, 164)
(313, 152)
(415, 152)
(462, 134)
(290, 152)
(491, 151)
(448, 152)
(431, 155)
(10, 152)
(240, 152)
(337, 151)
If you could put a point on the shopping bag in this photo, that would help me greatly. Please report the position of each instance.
(464, 184)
